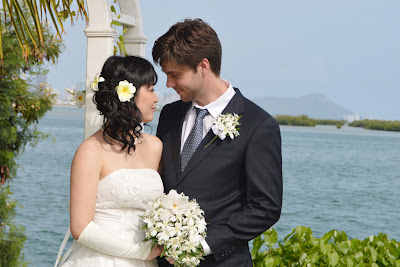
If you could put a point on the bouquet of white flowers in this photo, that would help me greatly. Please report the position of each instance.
(178, 224)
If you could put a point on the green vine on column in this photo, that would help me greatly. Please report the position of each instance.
(119, 38)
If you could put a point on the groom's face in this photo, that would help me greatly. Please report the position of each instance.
(185, 81)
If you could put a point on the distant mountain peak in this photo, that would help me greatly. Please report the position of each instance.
(315, 96)
(316, 105)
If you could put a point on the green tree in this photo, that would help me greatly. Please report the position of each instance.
(304, 120)
(377, 125)
(22, 104)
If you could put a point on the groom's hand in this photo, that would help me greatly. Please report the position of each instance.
(155, 252)
(170, 260)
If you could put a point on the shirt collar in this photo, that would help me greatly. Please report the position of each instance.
(215, 108)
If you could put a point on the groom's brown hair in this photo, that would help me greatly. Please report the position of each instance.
(187, 43)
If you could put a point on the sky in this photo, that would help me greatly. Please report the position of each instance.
(346, 50)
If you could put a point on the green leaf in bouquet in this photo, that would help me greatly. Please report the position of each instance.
(183, 255)
(164, 252)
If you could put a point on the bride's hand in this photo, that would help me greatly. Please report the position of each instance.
(155, 252)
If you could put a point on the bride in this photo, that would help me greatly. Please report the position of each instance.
(113, 173)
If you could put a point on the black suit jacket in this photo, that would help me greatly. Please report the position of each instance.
(237, 182)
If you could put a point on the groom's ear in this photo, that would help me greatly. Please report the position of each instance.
(204, 66)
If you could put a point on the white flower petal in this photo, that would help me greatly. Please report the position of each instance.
(79, 98)
(125, 91)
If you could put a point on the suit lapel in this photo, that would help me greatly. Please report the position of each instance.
(236, 105)
(176, 138)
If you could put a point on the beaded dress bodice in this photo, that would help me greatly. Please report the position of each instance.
(121, 199)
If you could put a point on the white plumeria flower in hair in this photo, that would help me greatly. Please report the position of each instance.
(125, 91)
(95, 84)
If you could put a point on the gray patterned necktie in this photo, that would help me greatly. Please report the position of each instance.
(194, 138)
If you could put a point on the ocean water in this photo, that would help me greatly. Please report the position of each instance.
(346, 179)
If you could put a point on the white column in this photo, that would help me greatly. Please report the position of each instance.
(100, 46)
(135, 40)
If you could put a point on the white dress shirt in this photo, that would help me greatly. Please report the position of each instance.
(214, 109)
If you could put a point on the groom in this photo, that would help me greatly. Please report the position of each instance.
(237, 182)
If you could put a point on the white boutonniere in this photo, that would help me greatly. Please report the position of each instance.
(225, 125)
(125, 91)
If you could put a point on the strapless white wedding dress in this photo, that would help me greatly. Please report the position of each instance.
(122, 197)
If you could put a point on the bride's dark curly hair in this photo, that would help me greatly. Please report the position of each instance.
(122, 119)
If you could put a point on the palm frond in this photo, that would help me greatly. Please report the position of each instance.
(35, 15)
(51, 13)
(21, 17)
(31, 34)
(1, 44)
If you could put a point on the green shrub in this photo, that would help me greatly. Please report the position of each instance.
(12, 235)
(377, 125)
(301, 248)
(304, 120)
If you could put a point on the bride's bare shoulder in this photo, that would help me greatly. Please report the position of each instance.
(152, 141)
(91, 146)
(88, 160)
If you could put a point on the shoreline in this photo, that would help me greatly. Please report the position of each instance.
(64, 106)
